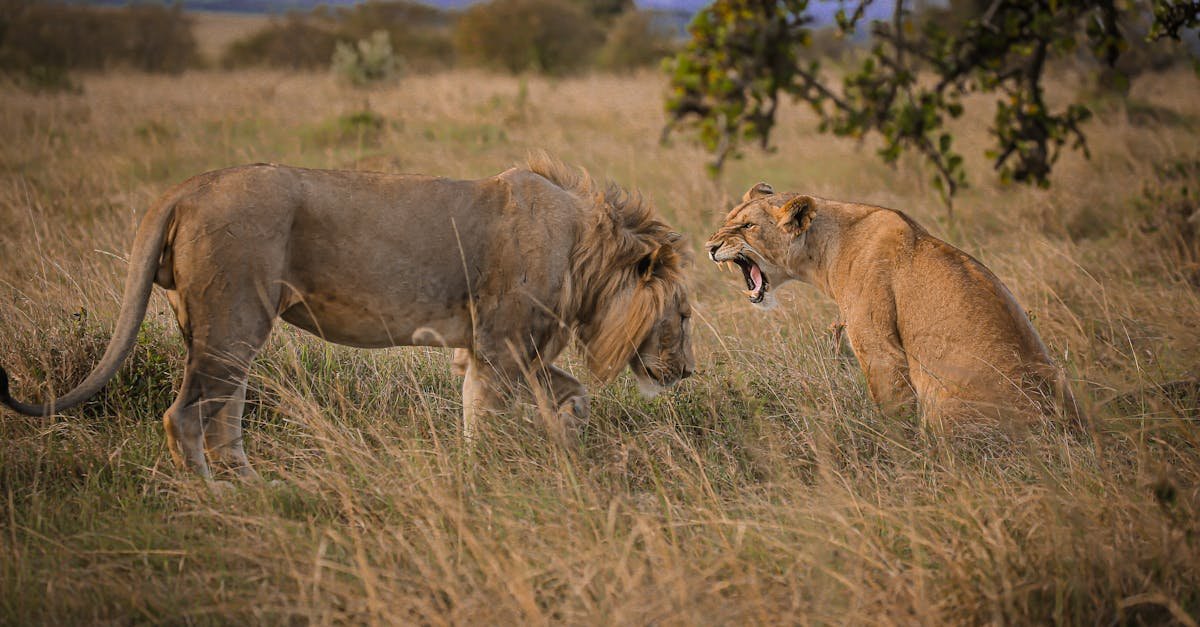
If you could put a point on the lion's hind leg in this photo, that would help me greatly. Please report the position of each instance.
(206, 416)
(185, 429)
(223, 438)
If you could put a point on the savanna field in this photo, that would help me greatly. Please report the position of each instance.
(767, 488)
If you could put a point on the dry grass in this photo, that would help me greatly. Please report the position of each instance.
(765, 489)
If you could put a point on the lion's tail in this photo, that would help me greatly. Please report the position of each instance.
(143, 265)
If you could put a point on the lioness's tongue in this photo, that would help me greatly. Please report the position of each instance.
(756, 276)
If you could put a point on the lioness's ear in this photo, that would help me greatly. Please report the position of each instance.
(795, 215)
(758, 191)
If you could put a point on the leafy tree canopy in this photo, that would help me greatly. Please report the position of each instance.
(744, 55)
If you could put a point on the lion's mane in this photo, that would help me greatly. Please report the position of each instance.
(625, 267)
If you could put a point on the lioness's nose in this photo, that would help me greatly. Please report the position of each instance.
(687, 372)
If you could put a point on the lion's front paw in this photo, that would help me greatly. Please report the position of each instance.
(573, 414)
(220, 489)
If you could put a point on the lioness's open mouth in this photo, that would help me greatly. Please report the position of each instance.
(756, 281)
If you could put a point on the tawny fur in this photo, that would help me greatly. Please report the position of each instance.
(930, 325)
(507, 268)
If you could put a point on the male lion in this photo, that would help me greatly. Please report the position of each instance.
(929, 324)
(508, 268)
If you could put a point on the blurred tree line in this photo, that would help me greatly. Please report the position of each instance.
(418, 33)
(42, 40)
(374, 39)
(745, 55)
(550, 36)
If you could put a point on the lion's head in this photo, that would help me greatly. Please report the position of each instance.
(764, 236)
(665, 355)
(627, 291)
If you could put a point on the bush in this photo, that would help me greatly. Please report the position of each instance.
(417, 33)
(370, 61)
(552, 36)
(47, 38)
(636, 39)
(296, 42)
(157, 38)
(1139, 55)
(45, 78)
(605, 9)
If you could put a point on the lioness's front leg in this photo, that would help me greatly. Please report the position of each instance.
(885, 365)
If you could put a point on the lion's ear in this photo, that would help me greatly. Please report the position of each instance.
(645, 266)
(659, 262)
(795, 216)
(651, 262)
(758, 191)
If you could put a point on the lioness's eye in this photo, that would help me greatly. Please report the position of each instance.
(749, 225)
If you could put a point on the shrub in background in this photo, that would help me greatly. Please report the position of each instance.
(46, 39)
(369, 61)
(44, 78)
(296, 42)
(605, 9)
(552, 36)
(156, 38)
(418, 33)
(636, 39)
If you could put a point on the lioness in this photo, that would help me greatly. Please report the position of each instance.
(929, 324)
(508, 268)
